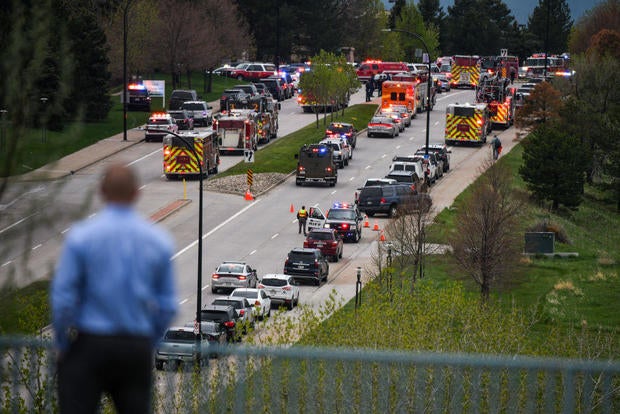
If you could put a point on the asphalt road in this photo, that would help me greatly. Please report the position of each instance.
(261, 232)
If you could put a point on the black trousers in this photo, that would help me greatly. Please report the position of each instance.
(302, 225)
(120, 365)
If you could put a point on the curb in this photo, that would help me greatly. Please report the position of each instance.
(171, 208)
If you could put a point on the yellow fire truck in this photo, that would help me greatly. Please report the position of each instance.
(467, 123)
(465, 71)
(181, 161)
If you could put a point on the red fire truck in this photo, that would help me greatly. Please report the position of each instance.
(370, 68)
(237, 131)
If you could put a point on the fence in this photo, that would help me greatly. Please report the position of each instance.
(317, 380)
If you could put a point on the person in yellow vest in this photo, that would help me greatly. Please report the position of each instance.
(302, 218)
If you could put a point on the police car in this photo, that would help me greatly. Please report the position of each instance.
(159, 125)
(345, 218)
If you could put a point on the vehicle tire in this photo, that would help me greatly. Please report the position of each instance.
(297, 301)
(213, 290)
(393, 134)
(291, 305)
(368, 134)
(393, 211)
(335, 257)
(317, 281)
(159, 365)
(269, 312)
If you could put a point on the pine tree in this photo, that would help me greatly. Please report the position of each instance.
(551, 23)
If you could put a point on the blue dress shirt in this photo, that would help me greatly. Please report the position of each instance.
(114, 277)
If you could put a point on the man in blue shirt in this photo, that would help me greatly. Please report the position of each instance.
(112, 297)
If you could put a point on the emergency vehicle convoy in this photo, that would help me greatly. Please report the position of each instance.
(465, 71)
(181, 161)
(237, 130)
(370, 68)
(467, 123)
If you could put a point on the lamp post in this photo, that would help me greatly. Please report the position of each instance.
(3, 113)
(428, 83)
(125, 92)
(190, 147)
(43, 131)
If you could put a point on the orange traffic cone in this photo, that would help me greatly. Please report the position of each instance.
(366, 224)
(248, 195)
(382, 237)
(376, 226)
(292, 210)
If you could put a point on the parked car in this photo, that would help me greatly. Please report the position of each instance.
(395, 118)
(281, 289)
(327, 240)
(253, 71)
(200, 111)
(403, 112)
(340, 154)
(382, 125)
(182, 118)
(225, 315)
(231, 275)
(344, 130)
(262, 302)
(442, 151)
(178, 96)
(304, 263)
(178, 346)
(435, 163)
(243, 308)
(390, 199)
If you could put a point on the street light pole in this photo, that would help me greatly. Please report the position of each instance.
(428, 83)
(125, 93)
(190, 147)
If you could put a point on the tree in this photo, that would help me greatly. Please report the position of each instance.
(411, 20)
(551, 23)
(605, 15)
(395, 12)
(434, 16)
(485, 242)
(542, 105)
(553, 166)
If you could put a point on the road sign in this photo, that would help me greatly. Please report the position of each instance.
(248, 155)
(250, 177)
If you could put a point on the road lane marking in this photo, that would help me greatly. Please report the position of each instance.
(384, 155)
(334, 192)
(437, 123)
(92, 215)
(65, 230)
(146, 156)
(17, 223)
(183, 301)
(142, 188)
(368, 167)
(352, 178)
(398, 147)
(216, 228)
(6, 263)
(37, 246)
(252, 252)
(274, 236)
(205, 287)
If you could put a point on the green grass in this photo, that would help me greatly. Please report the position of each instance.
(280, 155)
(33, 151)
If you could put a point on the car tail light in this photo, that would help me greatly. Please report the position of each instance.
(382, 201)
(306, 244)
(242, 312)
(215, 276)
(257, 303)
(241, 277)
(286, 288)
(229, 324)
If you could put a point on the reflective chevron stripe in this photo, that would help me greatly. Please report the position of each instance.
(462, 128)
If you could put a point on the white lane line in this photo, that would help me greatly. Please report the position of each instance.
(384, 155)
(65, 230)
(17, 223)
(37, 246)
(92, 215)
(368, 167)
(333, 192)
(252, 252)
(142, 187)
(410, 138)
(6, 263)
(274, 236)
(216, 228)
(157, 151)
(205, 287)
(183, 301)
(352, 178)
(437, 123)
(398, 147)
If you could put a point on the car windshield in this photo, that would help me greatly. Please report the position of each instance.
(193, 106)
(380, 120)
(341, 214)
(234, 303)
(252, 294)
(339, 128)
(182, 336)
(209, 327)
(230, 268)
(183, 95)
(274, 282)
(301, 256)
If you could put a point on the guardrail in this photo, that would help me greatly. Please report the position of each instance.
(317, 380)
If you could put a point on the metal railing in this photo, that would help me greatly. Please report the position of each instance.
(318, 380)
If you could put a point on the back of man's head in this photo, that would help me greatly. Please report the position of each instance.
(119, 184)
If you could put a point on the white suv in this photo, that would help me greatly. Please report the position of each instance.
(341, 156)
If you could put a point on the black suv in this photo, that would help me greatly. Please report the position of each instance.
(275, 87)
(343, 129)
(252, 91)
(234, 98)
(225, 315)
(182, 118)
(302, 263)
(388, 199)
(178, 96)
(346, 220)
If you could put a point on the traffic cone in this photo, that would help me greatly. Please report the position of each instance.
(382, 237)
(248, 195)
(376, 226)
(292, 210)
(366, 223)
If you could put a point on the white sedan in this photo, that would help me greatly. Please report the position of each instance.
(257, 297)
(281, 289)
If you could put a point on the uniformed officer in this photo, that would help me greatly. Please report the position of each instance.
(302, 218)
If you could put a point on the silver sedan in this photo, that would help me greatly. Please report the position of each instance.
(382, 125)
